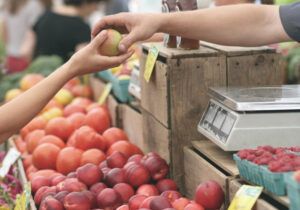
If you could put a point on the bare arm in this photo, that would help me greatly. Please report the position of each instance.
(243, 25)
(18, 112)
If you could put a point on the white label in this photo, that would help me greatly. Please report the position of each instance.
(9, 159)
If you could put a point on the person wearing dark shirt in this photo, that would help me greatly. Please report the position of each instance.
(60, 31)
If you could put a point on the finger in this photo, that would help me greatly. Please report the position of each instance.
(128, 40)
(99, 39)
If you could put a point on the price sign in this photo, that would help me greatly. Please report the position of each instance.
(9, 159)
(105, 93)
(151, 59)
(245, 197)
(22, 201)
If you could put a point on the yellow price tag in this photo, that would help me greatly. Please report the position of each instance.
(151, 59)
(245, 197)
(105, 93)
(23, 200)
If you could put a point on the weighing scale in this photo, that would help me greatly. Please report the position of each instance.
(246, 117)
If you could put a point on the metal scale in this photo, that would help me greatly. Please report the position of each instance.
(238, 117)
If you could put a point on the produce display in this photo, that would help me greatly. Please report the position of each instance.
(268, 166)
(293, 189)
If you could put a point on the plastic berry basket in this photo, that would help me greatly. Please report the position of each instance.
(256, 172)
(106, 75)
(242, 166)
(273, 182)
(120, 88)
(293, 191)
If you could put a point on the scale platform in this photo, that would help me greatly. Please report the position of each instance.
(246, 117)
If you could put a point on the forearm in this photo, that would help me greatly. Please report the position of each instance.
(242, 25)
(17, 113)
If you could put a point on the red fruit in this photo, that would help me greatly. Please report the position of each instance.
(112, 135)
(89, 174)
(72, 109)
(77, 201)
(105, 172)
(92, 197)
(125, 191)
(137, 175)
(180, 203)
(159, 203)
(72, 175)
(135, 158)
(60, 127)
(51, 203)
(135, 201)
(147, 189)
(52, 140)
(45, 173)
(209, 195)
(165, 185)
(171, 195)
(65, 164)
(116, 160)
(45, 156)
(98, 119)
(193, 206)
(115, 176)
(157, 167)
(123, 207)
(94, 156)
(103, 164)
(149, 155)
(61, 196)
(86, 138)
(97, 188)
(84, 102)
(71, 185)
(38, 182)
(129, 165)
(146, 203)
(41, 192)
(33, 138)
(109, 199)
(128, 149)
(37, 123)
(77, 120)
(57, 180)
(82, 91)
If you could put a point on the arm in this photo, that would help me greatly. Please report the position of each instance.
(18, 112)
(243, 25)
(27, 48)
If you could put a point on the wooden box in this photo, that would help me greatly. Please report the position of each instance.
(176, 95)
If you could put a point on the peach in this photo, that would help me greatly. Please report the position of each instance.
(105, 172)
(110, 47)
(72, 185)
(135, 201)
(72, 109)
(157, 167)
(32, 139)
(125, 191)
(82, 91)
(77, 120)
(166, 185)
(103, 164)
(57, 179)
(61, 196)
(171, 195)
(123, 207)
(41, 192)
(60, 127)
(115, 176)
(116, 160)
(84, 102)
(72, 175)
(149, 155)
(137, 175)
(98, 187)
(109, 199)
(159, 203)
(89, 174)
(129, 165)
(92, 197)
(180, 203)
(193, 206)
(146, 202)
(94, 156)
(29, 80)
(147, 189)
(135, 158)
(76, 201)
(63, 97)
(11, 94)
(51, 203)
(38, 182)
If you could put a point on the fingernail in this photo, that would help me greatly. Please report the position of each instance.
(122, 47)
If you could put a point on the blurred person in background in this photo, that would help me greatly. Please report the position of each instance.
(116, 6)
(18, 17)
(60, 31)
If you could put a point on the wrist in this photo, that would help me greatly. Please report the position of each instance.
(164, 21)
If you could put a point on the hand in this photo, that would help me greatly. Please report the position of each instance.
(88, 60)
(138, 27)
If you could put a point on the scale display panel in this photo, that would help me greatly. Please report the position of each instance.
(246, 117)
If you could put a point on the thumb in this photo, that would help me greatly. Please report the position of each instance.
(99, 39)
(128, 40)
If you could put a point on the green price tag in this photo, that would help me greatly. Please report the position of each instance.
(151, 59)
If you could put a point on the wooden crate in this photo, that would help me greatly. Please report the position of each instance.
(198, 170)
(176, 96)
(263, 203)
(130, 120)
(98, 86)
